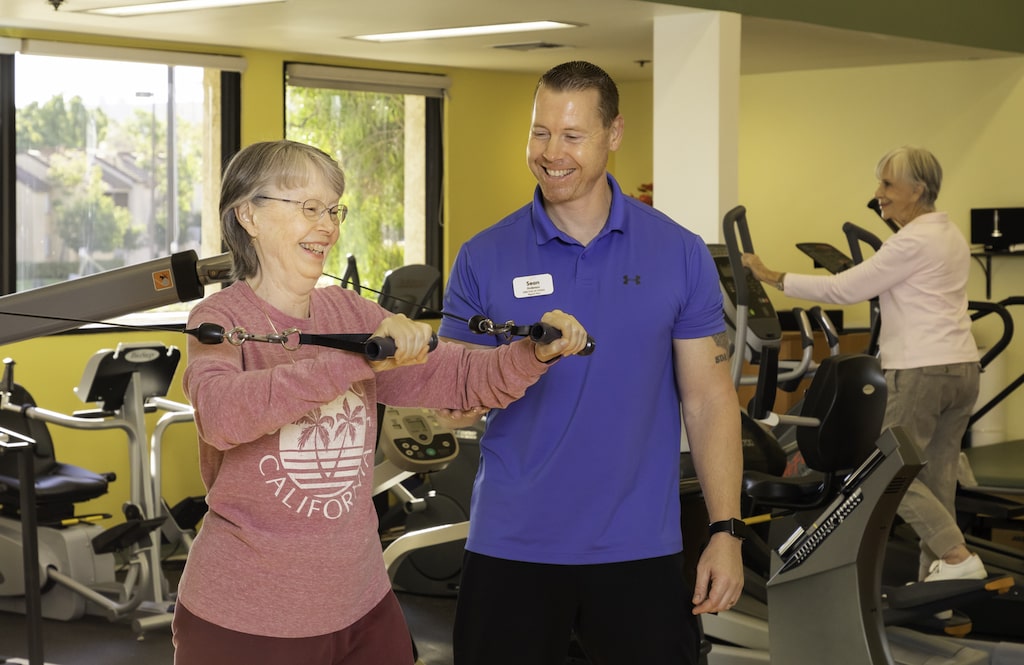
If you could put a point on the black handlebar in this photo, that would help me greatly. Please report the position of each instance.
(735, 222)
(379, 348)
(542, 333)
(374, 348)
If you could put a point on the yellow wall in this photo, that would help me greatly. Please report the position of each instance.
(808, 145)
(487, 126)
(634, 162)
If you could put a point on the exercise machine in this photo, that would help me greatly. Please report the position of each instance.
(425, 527)
(828, 530)
(106, 295)
(79, 559)
(425, 556)
(57, 308)
(994, 470)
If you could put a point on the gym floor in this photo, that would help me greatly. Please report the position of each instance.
(93, 640)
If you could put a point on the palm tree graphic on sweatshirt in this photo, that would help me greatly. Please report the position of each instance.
(323, 451)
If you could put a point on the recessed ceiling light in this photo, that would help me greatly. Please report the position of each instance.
(468, 31)
(173, 6)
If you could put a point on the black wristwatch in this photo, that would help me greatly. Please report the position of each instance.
(733, 526)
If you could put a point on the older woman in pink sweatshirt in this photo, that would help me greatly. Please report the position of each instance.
(287, 567)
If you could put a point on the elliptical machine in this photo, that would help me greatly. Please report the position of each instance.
(827, 532)
(979, 506)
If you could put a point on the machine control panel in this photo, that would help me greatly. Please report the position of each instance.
(762, 321)
(414, 440)
(826, 256)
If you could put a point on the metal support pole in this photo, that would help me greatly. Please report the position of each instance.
(24, 448)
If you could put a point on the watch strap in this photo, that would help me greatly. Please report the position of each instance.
(732, 526)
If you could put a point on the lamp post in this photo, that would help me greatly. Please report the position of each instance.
(172, 168)
(152, 171)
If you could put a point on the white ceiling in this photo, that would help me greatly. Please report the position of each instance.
(616, 34)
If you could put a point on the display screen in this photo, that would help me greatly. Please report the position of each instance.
(417, 426)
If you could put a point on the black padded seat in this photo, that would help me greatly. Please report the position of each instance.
(847, 395)
(58, 486)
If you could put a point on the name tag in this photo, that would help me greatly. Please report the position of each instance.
(533, 285)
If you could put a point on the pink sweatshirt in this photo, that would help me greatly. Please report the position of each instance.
(289, 547)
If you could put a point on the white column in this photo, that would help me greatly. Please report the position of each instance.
(696, 118)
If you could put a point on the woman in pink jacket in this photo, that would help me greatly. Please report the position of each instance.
(287, 567)
(925, 345)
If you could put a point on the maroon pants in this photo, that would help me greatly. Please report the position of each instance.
(379, 638)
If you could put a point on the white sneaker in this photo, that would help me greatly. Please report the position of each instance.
(970, 568)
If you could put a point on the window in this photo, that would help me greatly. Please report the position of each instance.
(116, 160)
(384, 129)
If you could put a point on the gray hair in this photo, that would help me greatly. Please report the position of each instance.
(915, 166)
(284, 164)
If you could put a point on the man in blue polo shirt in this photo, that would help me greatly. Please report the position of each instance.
(575, 516)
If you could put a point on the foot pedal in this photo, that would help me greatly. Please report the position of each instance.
(187, 512)
(999, 584)
(958, 625)
(123, 536)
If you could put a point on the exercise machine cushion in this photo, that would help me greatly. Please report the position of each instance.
(58, 485)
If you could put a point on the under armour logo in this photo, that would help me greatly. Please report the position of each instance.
(635, 279)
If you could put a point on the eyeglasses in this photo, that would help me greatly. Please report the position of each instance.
(314, 210)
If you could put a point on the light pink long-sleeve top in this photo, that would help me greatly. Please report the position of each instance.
(289, 547)
(920, 278)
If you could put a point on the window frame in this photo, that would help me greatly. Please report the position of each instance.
(434, 88)
(230, 68)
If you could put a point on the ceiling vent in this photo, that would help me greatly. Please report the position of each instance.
(530, 46)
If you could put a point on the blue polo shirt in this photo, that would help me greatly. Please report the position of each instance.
(585, 467)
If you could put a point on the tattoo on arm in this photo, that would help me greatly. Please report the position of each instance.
(722, 342)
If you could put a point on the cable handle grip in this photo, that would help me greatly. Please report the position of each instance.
(379, 348)
(207, 333)
(543, 333)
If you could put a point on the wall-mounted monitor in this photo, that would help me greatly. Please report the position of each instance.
(998, 229)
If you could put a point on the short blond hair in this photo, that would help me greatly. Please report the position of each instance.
(915, 166)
